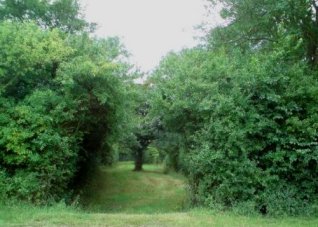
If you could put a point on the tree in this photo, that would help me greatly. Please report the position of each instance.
(244, 127)
(62, 109)
(62, 14)
(28, 48)
(259, 24)
(143, 126)
(180, 84)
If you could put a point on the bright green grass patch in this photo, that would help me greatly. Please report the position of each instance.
(63, 216)
(119, 189)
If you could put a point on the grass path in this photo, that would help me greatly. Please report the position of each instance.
(117, 196)
(119, 189)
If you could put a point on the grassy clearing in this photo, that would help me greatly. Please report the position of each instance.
(119, 189)
(121, 197)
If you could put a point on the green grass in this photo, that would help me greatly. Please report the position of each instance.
(119, 189)
(63, 216)
(118, 196)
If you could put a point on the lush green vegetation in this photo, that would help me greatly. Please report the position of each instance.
(237, 116)
(130, 202)
(62, 100)
(246, 129)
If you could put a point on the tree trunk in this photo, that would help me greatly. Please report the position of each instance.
(138, 160)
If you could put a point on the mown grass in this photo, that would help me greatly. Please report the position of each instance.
(119, 189)
(120, 197)
(64, 216)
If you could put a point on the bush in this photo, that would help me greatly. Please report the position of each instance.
(61, 110)
(261, 134)
(39, 154)
(248, 126)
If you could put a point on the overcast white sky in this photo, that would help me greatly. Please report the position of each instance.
(150, 28)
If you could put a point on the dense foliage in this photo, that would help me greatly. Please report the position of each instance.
(239, 114)
(255, 24)
(62, 109)
(62, 14)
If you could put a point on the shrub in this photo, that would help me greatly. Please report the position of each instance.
(39, 155)
(61, 110)
(248, 126)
